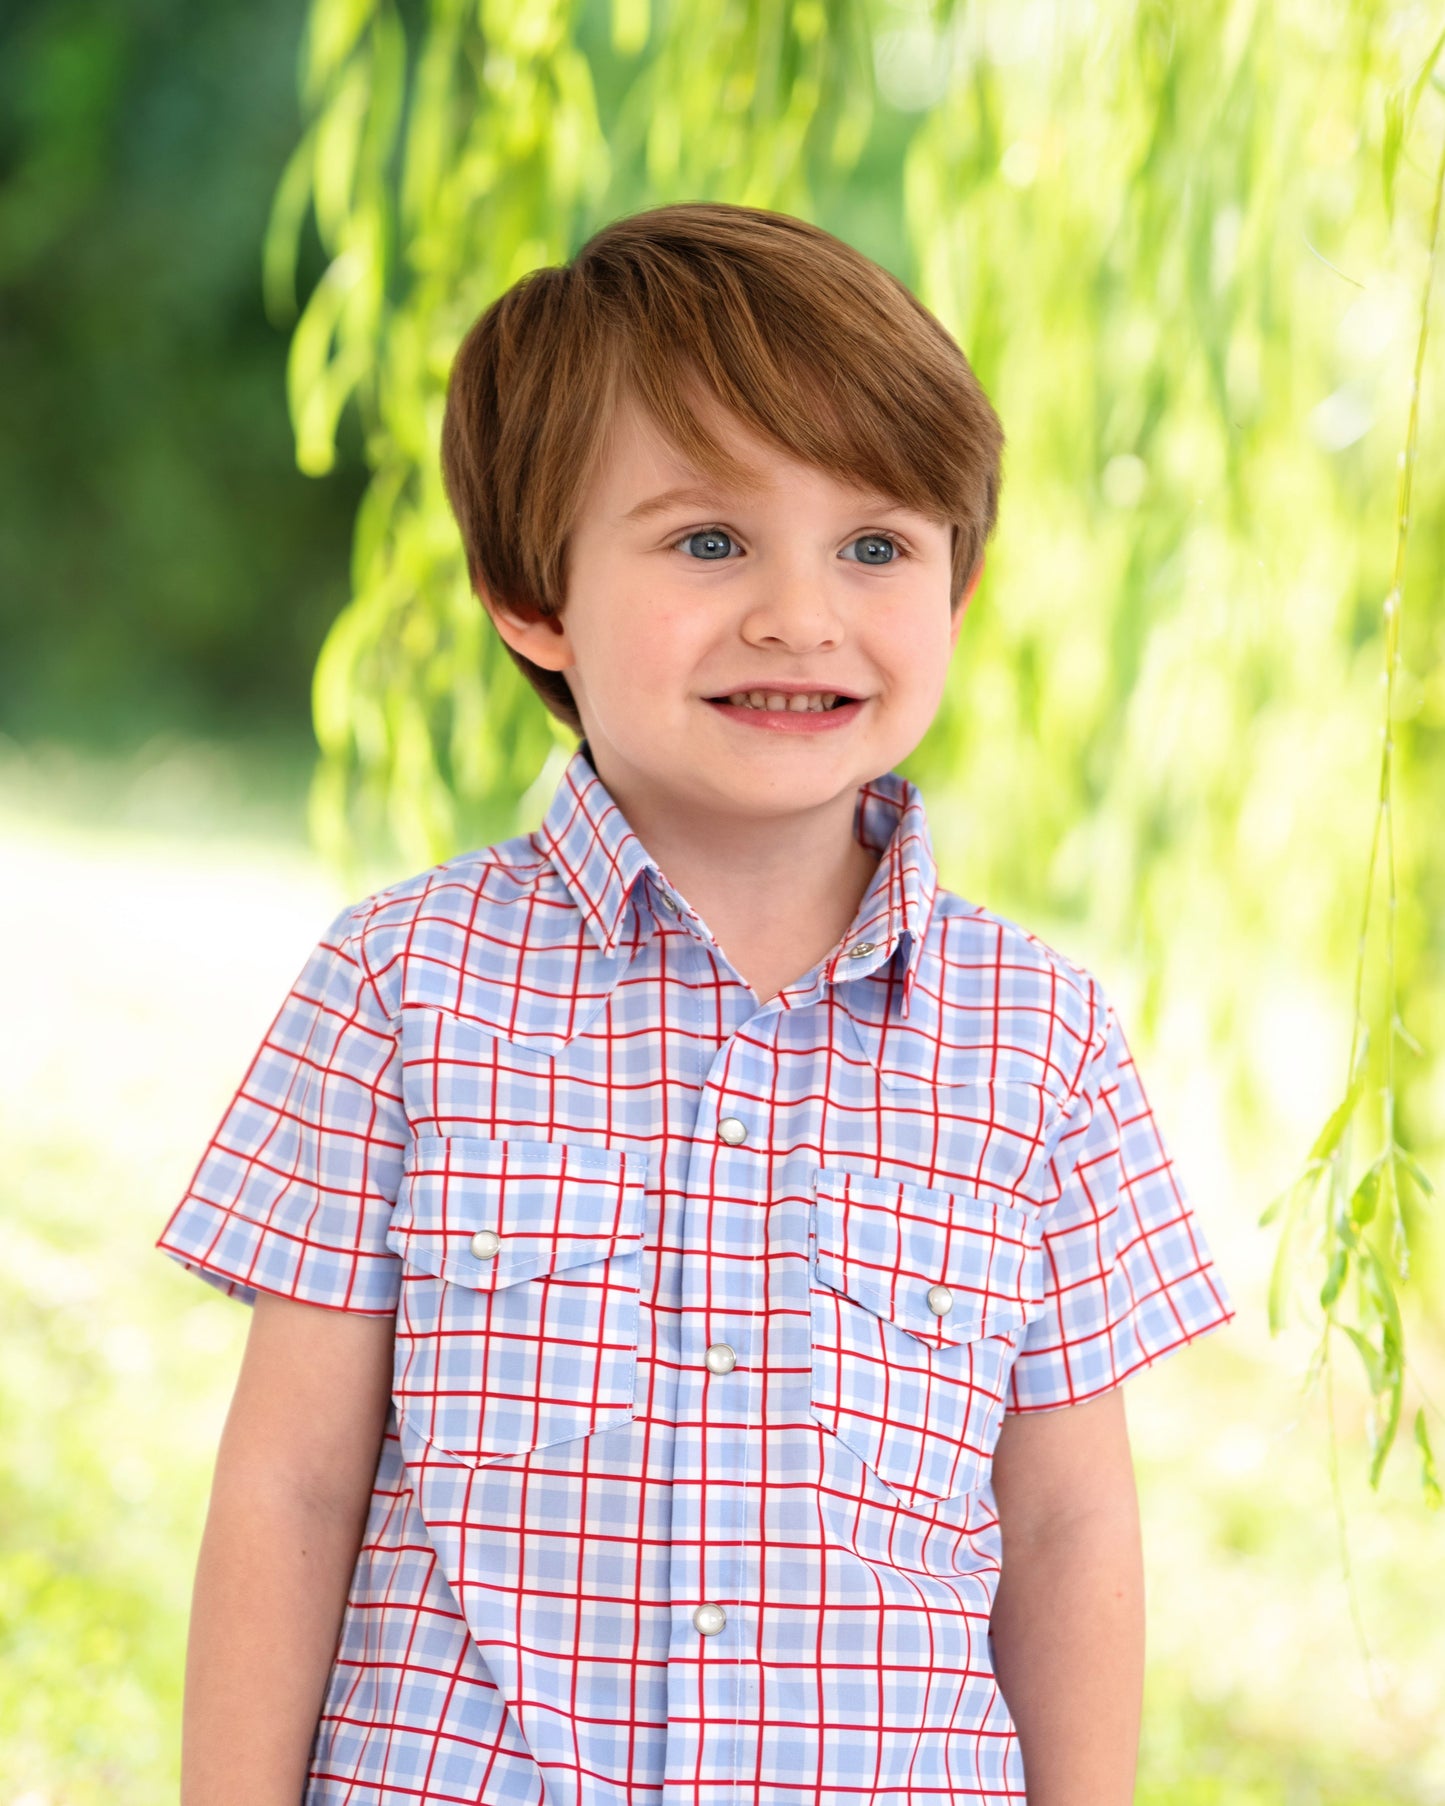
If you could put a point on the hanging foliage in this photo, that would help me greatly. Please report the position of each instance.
(1161, 236)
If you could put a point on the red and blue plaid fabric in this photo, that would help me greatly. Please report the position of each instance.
(699, 1302)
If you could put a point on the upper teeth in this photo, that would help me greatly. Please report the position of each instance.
(772, 699)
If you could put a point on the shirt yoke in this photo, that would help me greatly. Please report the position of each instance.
(482, 934)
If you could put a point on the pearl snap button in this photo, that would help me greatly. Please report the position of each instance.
(485, 1243)
(860, 949)
(732, 1131)
(709, 1619)
(720, 1358)
(940, 1300)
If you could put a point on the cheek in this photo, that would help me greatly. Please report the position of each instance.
(634, 647)
(915, 648)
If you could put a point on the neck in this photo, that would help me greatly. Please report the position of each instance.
(777, 893)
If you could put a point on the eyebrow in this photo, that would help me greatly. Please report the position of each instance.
(673, 498)
(701, 496)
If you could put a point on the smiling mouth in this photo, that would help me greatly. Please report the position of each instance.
(812, 703)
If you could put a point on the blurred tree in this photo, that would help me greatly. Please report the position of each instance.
(161, 568)
(1159, 234)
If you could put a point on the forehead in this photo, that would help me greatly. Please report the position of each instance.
(636, 435)
(643, 469)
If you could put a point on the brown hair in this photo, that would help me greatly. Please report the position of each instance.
(811, 344)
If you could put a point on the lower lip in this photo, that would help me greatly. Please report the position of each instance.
(789, 721)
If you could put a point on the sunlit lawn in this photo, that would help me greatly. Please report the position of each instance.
(151, 920)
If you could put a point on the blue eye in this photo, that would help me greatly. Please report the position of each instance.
(876, 543)
(715, 542)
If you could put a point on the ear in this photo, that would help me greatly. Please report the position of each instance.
(544, 640)
(963, 602)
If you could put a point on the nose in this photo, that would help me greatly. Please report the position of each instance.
(793, 607)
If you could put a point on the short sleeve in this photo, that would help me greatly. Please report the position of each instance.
(295, 1191)
(1128, 1274)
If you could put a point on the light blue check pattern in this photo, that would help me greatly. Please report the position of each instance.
(524, 1103)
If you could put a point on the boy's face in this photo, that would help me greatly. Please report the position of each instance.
(803, 581)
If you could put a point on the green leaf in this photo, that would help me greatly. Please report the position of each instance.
(1366, 1195)
(1399, 114)
(1429, 1479)
(1279, 1272)
(1392, 1349)
(1275, 1205)
(1374, 1373)
(1311, 1170)
(1335, 1278)
(1394, 139)
(1315, 1365)
(1328, 1138)
(1381, 1292)
(1405, 1035)
(1427, 68)
(333, 29)
(1382, 1442)
(1417, 1172)
(280, 245)
(338, 132)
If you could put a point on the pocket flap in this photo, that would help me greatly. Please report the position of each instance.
(542, 1205)
(888, 1244)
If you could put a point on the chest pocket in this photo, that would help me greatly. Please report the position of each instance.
(517, 1321)
(918, 1302)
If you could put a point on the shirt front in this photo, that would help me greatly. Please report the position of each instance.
(708, 1312)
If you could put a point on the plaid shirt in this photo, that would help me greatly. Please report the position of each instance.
(707, 1314)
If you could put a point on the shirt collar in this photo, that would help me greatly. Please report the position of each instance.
(889, 819)
(599, 859)
(594, 850)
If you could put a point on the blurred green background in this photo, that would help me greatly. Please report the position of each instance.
(1162, 237)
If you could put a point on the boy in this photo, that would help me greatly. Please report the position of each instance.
(675, 1234)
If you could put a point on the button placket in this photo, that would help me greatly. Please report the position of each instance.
(713, 1575)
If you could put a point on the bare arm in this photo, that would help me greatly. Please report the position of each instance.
(288, 1506)
(1068, 1622)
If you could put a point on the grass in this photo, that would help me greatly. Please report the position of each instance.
(152, 925)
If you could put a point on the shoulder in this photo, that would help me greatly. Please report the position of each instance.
(436, 920)
(1006, 988)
